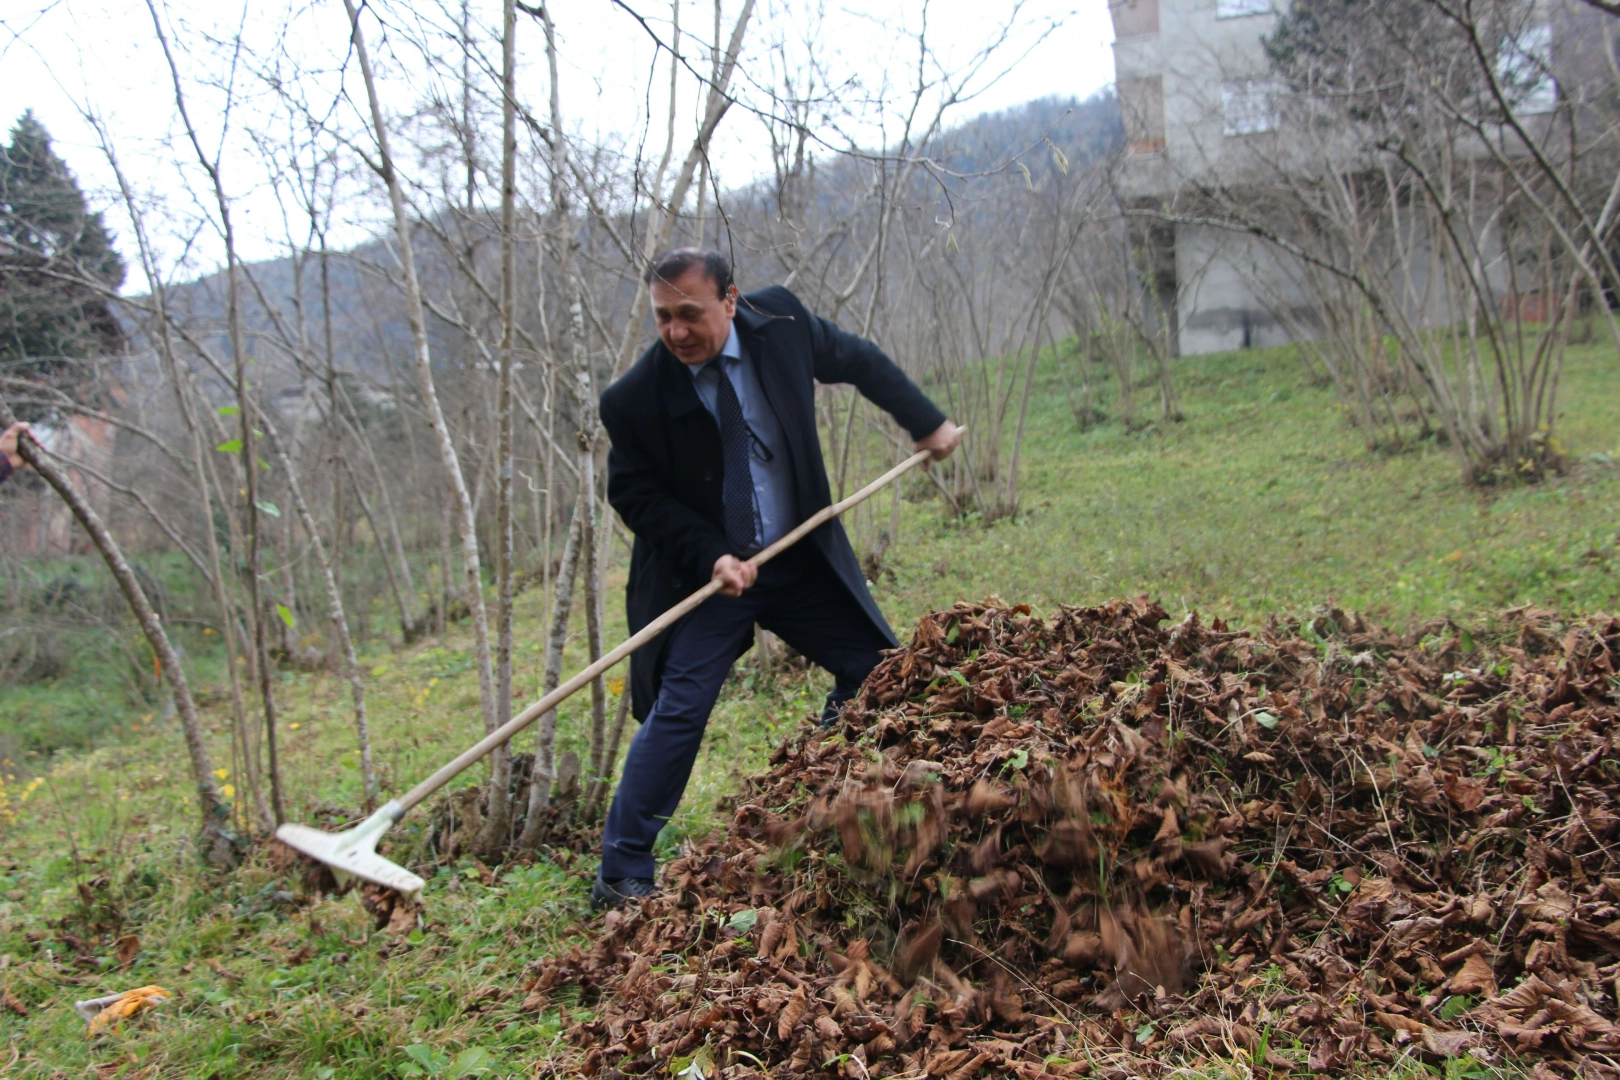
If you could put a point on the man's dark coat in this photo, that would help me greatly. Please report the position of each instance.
(665, 471)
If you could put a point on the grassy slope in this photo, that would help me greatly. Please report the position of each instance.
(1262, 501)
(78, 679)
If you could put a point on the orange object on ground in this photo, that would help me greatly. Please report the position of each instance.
(103, 1012)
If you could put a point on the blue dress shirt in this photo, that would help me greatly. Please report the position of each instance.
(768, 464)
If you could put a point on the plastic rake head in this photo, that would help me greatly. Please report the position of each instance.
(353, 852)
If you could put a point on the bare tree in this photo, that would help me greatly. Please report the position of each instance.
(244, 744)
(543, 773)
(667, 209)
(498, 823)
(217, 845)
(245, 413)
(467, 521)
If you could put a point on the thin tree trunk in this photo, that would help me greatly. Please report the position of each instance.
(238, 630)
(255, 602)
(548, 454)
(499, 820)
(544, 771)
(446, 578)
(1169, 401)
(335, 614)
(848, 439)
(227, 614)
(247, 770)
(388, 563)
(1023, 415)
(289, 587)
(593, 610)
(430, 398)
(340, 516)
(599, 784)
(244, 405)
(405, 593)
(219, 850)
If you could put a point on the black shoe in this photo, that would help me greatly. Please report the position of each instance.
(620, 891)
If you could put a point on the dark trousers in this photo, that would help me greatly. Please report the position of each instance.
(796, 597)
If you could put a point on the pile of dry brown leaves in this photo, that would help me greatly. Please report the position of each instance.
(1108, 843)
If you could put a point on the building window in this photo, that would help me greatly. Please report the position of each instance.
(1141, 105)
(1249, 106)
(1232, 9)
(1134, 18)
(1524, 69)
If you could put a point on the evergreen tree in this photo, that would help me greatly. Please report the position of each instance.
(53, 254)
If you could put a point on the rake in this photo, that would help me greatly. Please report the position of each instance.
(353, 852)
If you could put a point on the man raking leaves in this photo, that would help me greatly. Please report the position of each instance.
(715, 456)
(676, 485)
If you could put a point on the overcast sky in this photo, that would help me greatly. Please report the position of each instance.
(60, 56)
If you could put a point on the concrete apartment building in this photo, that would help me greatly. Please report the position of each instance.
(1197, 100)
(1200, 108)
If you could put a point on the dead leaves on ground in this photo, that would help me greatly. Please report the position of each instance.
(1104, 842)
(391, 910)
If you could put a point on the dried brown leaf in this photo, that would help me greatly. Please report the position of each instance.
(1070, 843)
(944, 1062)
(918, 950)
(1449, 1043)
(969, 1068)
(1474, 977)
(788, 1019)
(1465, 793)
(1400, 1023)
(1083, 949)
(127, 948)
(988, 798)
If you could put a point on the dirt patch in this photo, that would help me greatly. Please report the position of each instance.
(1108, 842)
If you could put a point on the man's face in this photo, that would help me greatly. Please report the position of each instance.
(693, 319)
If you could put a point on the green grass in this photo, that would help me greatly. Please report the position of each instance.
(1262, 502)
(1265, 501)
(73, 665)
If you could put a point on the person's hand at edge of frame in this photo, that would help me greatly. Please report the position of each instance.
(8, 443)
(735, 575)
(941, 441)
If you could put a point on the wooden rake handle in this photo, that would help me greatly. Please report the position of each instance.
(528, 716)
